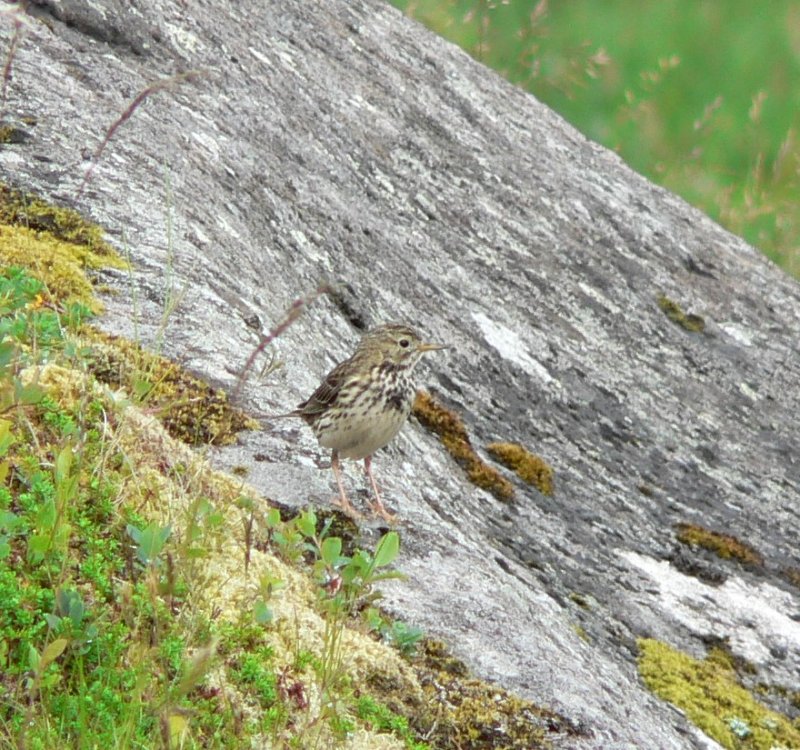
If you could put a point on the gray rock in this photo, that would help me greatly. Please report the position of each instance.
(339, 141)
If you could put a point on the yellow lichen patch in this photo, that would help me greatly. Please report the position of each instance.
(529, 467)
(190, 409)
(713, 699)
(55, 244)
(451, 431)
(792, 575)
(28, 211)
(723, 545)
(9, 134)
(688, 321)
(54, 262)
(471, 714)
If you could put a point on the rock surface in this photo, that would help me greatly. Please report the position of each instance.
(338, 141)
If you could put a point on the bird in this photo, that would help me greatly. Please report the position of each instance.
(362, 403)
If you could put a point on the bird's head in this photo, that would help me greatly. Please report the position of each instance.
(397, 343)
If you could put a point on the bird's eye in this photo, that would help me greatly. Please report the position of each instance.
(404, 343)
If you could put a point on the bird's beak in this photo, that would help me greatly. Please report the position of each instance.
(424, 347)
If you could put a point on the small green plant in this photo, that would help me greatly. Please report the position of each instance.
(149, 541)
(71, 620)
(51, 529)
(290, 539)
(267, 586)
(382, 719)
(401, 635)
(28, 333)
(345, 584)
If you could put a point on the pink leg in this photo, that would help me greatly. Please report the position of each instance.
(377, 506)
(343, 502)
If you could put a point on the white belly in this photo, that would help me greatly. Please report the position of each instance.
(362, 434)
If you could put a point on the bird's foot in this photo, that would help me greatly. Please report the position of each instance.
(379, 509)
(347, 508)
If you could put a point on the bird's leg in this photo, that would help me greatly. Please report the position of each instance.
(343, 502)
(377, 506)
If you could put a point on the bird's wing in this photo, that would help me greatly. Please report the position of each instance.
(325, 394)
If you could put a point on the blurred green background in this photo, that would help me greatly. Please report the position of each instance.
(702, 96)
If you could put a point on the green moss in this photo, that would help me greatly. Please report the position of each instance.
(253, 672)
(529, 467)
(9, 134)
(723, 545)
(55, 244)
(453, 435)
(713, 699)
(190, 409)
(690, 322)
(471, 714)
(380, 718)
(26, 210)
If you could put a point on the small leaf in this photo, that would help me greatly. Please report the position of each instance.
(134, 532)
(330, 550)
(149, 541)
(263, 613)
(33, 658)
(387, 549)
(38, 544)
(6, 438)
(53, 651)
(63, 464)
(27, 395)
(54, 621)
(307, 523)
(141, 388)
(273, 518)
(46, 515)
(178, 726)
(76, 611)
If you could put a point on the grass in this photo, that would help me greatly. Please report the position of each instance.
(714, 121)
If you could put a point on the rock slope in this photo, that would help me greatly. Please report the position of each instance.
(281, 144)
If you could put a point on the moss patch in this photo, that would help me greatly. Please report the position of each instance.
(688, 321)
(471, 714)
(190, 409)
(451, 431)
(58, 247)
(709, 693)
(792, 575)
(529, 467)
(26, 210)
(55, 244)
(723, 545)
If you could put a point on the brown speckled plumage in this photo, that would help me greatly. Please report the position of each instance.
(363, 402)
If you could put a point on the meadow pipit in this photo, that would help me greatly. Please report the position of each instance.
(362, 403)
